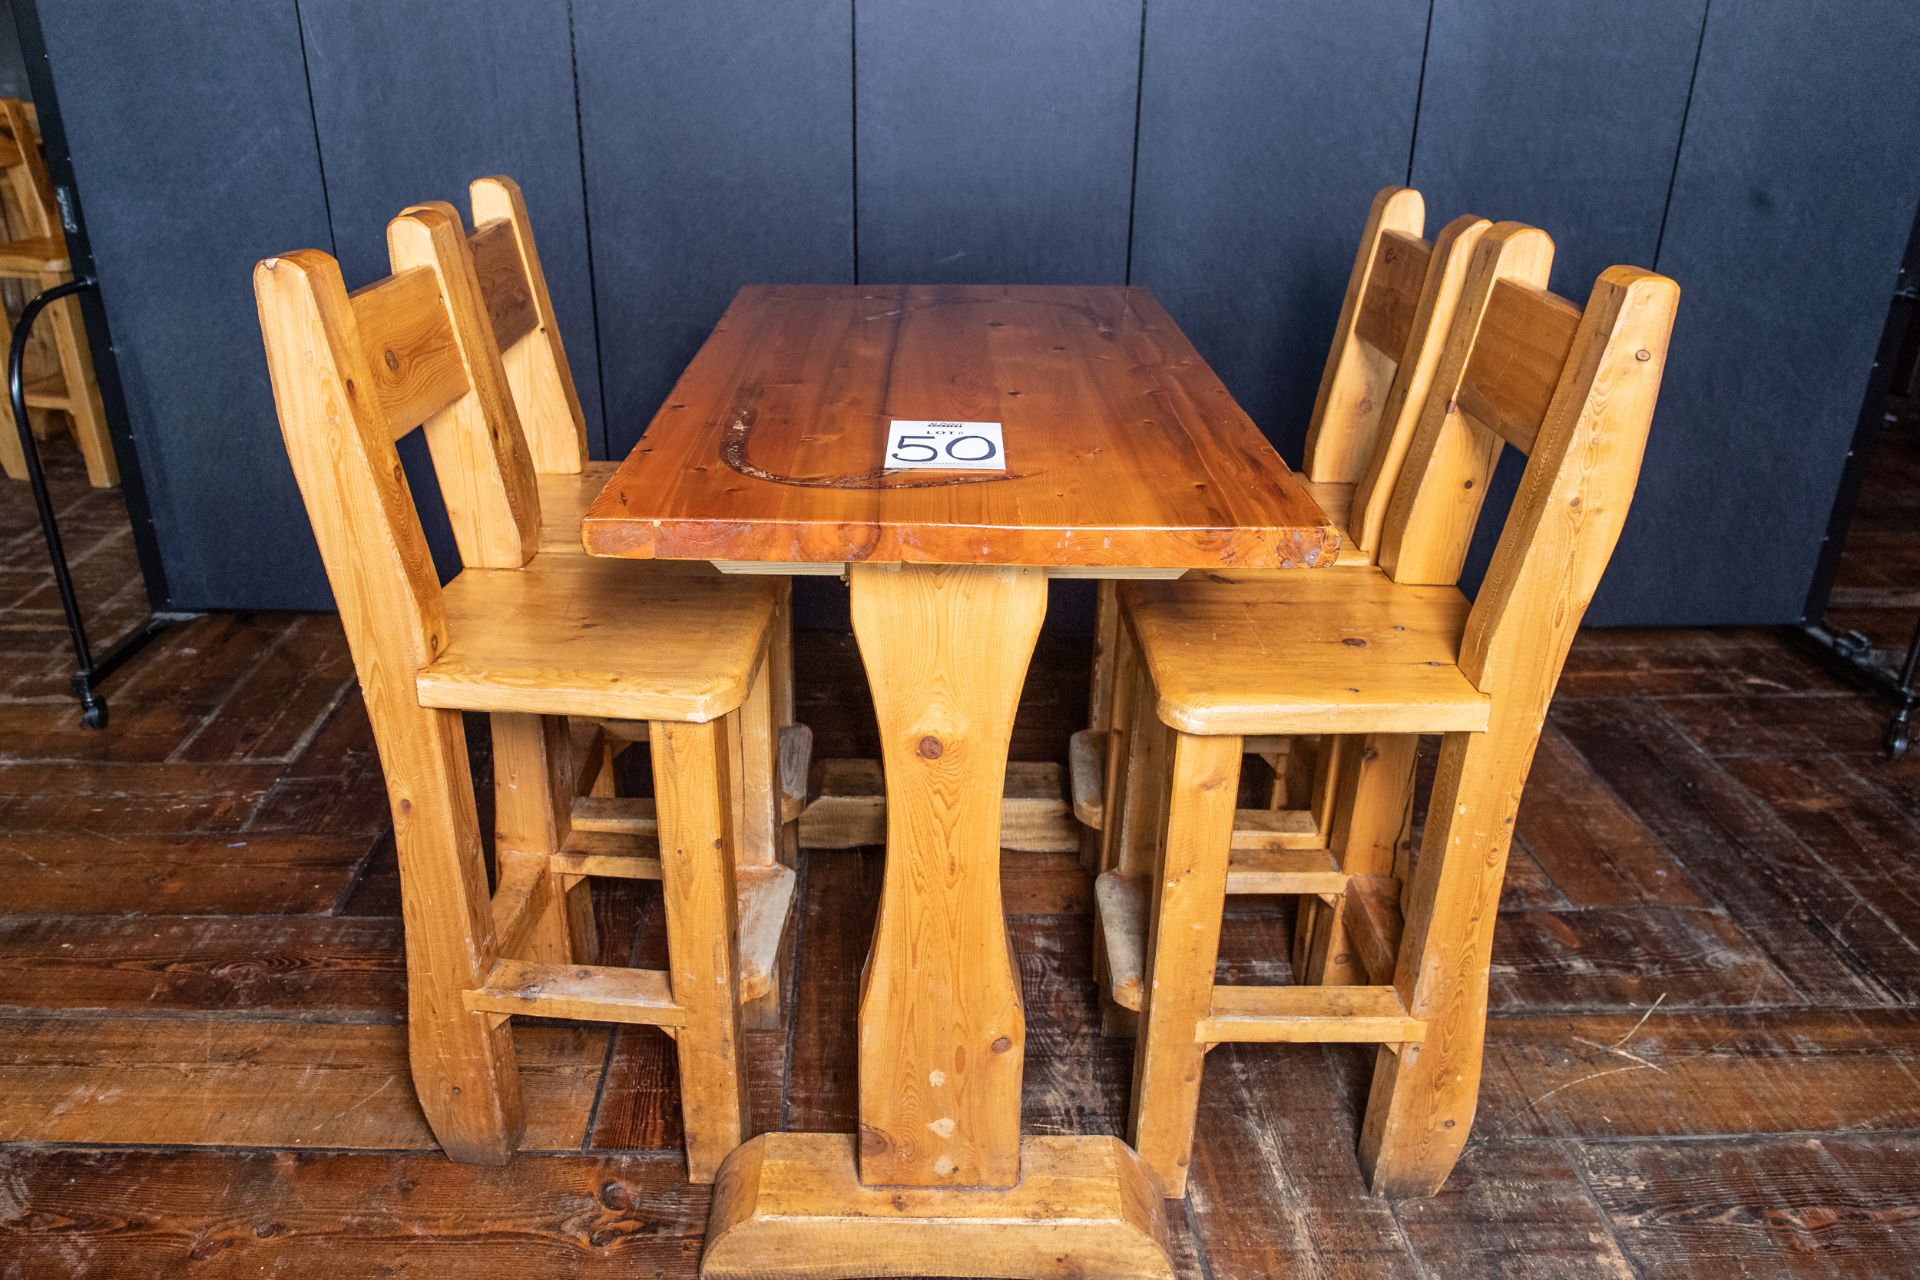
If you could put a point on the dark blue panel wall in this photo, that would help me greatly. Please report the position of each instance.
(193, 144)
(1766, 153)
(1265, 130)
(1563, 114)
(996, 139)
(1795, 192)
(719, 150)
(403, 119)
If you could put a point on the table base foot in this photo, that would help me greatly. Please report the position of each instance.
(791, 1205)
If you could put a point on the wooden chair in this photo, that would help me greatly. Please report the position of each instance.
(770, 789)
(531, 639)
(1378, 658)
(36, 255)
(1401, 297)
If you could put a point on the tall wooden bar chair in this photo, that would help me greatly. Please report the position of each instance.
(533, 639)
(1401, 300)
(35, 254)
(769, 752)
(1377, 658)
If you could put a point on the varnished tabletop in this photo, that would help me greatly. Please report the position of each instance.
(1123, 449)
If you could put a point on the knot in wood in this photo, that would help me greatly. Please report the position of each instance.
(931, 748)
(1354, 642)
(393, 361)
(1002, 1044)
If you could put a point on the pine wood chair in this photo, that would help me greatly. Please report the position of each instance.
(770, 788)
(1401, 297)
(35, 254)
(531, 639)
(1377, 659)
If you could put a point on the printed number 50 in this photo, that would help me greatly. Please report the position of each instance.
(980, 451)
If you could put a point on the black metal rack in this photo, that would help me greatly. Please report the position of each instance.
(90, 670)
(1851, 648)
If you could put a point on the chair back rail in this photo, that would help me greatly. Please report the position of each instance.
(515, 289)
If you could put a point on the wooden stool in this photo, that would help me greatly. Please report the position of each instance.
(769, 752)
(37, 256)
(530, 639)
(1378, 658)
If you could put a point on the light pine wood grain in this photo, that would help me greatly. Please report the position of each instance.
(942, 1034)
(1123, 449)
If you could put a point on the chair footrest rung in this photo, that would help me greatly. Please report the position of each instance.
(594, 993)
(623, 854)
(1086, 776)
(766, 901)
(1120, 930)
(1310, 1015)
(1306, 871)
(796, 761)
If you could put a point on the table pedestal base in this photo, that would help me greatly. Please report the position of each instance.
(792, 1205)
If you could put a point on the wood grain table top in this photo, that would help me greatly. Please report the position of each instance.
(1122, 448)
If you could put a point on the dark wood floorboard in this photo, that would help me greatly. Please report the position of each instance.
(1703, 1059)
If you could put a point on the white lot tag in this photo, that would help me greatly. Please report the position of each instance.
(913, 444)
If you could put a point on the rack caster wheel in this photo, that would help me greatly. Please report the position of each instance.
(93, 713)
(1897, 739)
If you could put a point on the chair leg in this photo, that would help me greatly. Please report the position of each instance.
(1422, 1102)
(463, 1063)
(533, 789)
(694, 802)
(84, 408)
(1183, 945)
(754, 755)
(1376, 795)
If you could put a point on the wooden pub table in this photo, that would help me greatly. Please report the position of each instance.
(1123, 456)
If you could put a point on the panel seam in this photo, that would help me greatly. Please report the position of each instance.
(1133, 177)
(313, 118)
(586, 228)
(1680, 143)
(1419, 92)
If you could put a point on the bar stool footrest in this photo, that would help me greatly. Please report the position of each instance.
(593, 993)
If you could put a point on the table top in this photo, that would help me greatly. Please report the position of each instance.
(1122, 448)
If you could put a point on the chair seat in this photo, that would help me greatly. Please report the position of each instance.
(564, 500)
(1305, 651)
(577, 635)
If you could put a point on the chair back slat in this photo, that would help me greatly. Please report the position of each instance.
(479, 453)
(1393, 292)
(1354, 385)
(414, 360)
(1523, 345)
(1579, 484)
(503, 282)
(1438, 493)
(529, 341)
(1438, 299)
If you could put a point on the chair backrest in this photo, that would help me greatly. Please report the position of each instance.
(521, 310)
(28, 195)
(1433, 314)
(1573, 389)
(1399, 306)
(1388, 272)
(352, 375)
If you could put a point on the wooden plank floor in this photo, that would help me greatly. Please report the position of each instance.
(1704, 1058)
